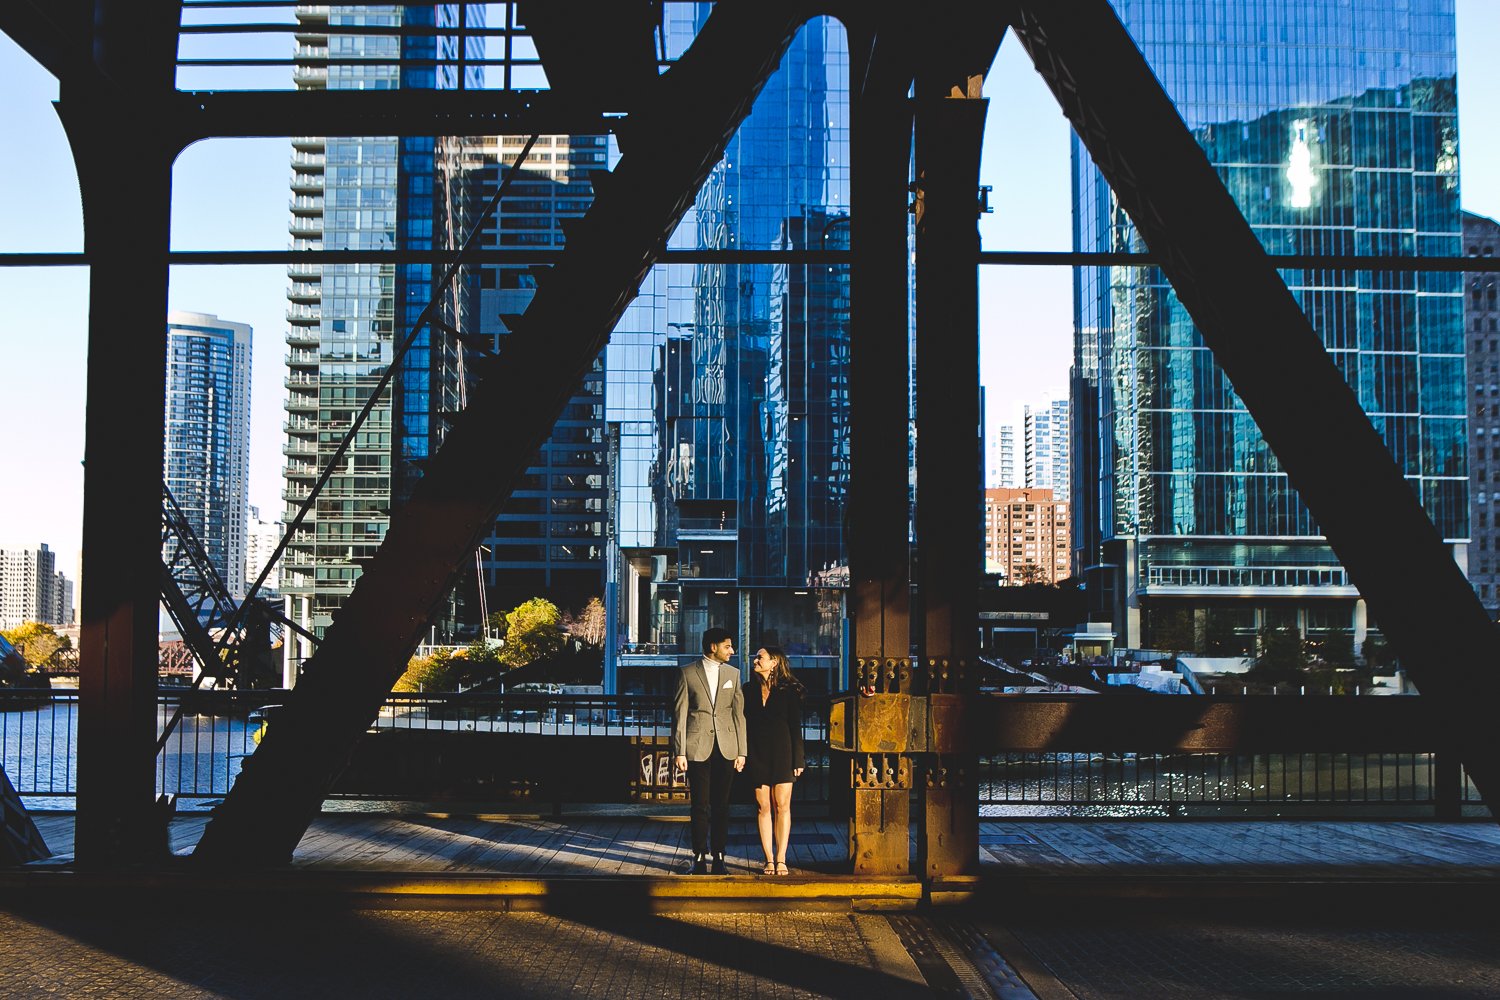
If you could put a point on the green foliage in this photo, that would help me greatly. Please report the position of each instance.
(480, 653)
(533, 631)
(437, 672)
(38, 644)
(1281, 659)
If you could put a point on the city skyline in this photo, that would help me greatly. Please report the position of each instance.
(1026, 164)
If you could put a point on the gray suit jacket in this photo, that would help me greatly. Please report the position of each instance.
(699, 724)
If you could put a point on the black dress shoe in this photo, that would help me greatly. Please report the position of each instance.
(719, 867)
(699, 866)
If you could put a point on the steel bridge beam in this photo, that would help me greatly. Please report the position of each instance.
(950, 116)
(381, 112)
(697, 107)
(126, 210)
(879, 599)
(1276, 363)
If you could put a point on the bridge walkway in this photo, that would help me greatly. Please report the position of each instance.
(1033, 852)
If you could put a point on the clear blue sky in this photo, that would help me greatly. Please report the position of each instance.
(232, 194)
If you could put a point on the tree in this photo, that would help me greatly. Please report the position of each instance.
(429, 673)
(1029, 574)
(587, 626)
(533, 631)
(37, 643)
(1281, 658)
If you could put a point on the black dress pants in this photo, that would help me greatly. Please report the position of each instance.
(709, 782)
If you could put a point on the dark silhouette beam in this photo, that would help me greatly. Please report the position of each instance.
(126, 213)
(682, 133)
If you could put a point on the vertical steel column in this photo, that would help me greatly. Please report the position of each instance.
(878, 512)
(125, 176)
(950, 128)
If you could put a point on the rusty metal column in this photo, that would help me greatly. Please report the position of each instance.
(950, 127)
(125, 176)
(878, 512)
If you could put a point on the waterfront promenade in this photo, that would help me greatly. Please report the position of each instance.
(635, 855)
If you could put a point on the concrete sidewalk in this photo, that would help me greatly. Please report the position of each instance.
(156, 948)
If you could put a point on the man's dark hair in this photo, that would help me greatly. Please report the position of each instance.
(712, 637)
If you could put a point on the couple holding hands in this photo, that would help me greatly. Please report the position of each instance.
(718, 729)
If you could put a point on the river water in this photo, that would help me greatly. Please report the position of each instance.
(39, 750)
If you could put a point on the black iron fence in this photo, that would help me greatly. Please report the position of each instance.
(1123, 783)
(1193, 756)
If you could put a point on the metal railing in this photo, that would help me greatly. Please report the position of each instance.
(1214, 784)
(487, 747)
(218, 729)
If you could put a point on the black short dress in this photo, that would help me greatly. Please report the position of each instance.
(774, 732)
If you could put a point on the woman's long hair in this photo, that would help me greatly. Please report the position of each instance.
(781, 675)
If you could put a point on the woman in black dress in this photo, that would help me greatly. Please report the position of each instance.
(773, 726)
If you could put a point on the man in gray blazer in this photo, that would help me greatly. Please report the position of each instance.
(708, 742)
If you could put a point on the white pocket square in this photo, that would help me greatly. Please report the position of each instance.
(729, 684)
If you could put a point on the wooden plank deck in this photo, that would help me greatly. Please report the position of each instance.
(655, 844)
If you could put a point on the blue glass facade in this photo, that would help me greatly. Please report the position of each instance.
(1333, 126)
(207, 455)
(362, 193)
(727, 396)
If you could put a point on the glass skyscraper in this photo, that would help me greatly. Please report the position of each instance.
(207, 456)
(344, 320)
(1334, 128)
(549, 539)
(727, 396)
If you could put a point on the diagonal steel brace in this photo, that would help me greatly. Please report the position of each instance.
(1276, 363)
(695, 110)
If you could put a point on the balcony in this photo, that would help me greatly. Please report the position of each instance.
(300, 425)
(296, 447)
(1252, 581)
(304, 160)
(299, 470)
(305, 272)
(306, 183)
(302, 401)
(307, 204)
(305, 292)
(306, 227)
(300, 381)
(302, 336)
(301, 358)
(303, 313)
(310, 77)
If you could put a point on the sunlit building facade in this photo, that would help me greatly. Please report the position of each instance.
(727, 397)
(31, 588)
(1027, 536)
(1046, 430)
(1333, 126)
